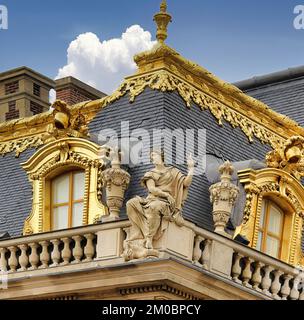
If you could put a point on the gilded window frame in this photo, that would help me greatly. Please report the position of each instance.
(56, 158)
(287, 192)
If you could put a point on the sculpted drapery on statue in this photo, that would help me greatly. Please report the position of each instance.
(167, 191)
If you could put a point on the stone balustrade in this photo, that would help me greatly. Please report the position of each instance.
(47, 250)
(102, 245)
(249, 268)
(264, 274)
(34, 254)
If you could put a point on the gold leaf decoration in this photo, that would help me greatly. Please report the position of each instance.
(261, 122)
(167, 82)
(20, 145)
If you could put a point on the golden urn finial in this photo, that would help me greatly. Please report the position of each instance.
(162, 20)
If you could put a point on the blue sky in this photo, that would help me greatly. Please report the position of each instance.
(234, 39)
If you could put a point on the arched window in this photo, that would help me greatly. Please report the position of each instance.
(273, 213)
(270, 237)
(67, 197)
(67, 191)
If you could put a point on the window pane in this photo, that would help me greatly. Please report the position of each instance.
(60, 218)
(78, 185)
(262, 218)
(272, 247)
(275, 221)
(77, 214)
(259, 243)
(61, 189)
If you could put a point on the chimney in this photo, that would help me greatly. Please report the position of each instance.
(73, 91)
(23, 93)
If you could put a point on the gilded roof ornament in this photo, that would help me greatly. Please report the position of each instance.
(289, 157)
(162, 20)
(65, 124)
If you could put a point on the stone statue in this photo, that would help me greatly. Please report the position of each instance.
(167, 191)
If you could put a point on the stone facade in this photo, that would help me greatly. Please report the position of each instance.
(20, 90)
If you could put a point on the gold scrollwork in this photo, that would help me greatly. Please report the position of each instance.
(20, 145)
(289, 157)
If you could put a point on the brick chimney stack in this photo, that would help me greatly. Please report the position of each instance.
(73, 91)
(25, 92)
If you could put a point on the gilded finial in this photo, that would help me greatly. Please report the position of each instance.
(163, 6)
(162, 20)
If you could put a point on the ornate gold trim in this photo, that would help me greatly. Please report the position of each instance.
(283, 188)
(163, 69)
(56, 158)
(18, 146)
(289, 157)
(162, 57)
(167, 82)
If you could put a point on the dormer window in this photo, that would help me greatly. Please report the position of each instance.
(271, 229)
(67, 187)
(67, 197)
(273, 213)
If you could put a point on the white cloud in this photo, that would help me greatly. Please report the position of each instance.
(104, 64)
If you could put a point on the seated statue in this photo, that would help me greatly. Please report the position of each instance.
(167, 191)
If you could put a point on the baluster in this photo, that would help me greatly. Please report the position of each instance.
(66, 252)
(206, 254)
(301, 284)
(44, 255)
(23, 259)
(13, 261)
(55, 256)
(3, 261)
(266, 282)
(247, 273)
(276, 285)
(89, 250)
(285, 291)
(295, 294)
(237, 269)
(197, 252)
(77, 251)
(34, 257)
(257, 276)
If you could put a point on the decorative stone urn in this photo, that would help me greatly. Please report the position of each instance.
(223, 196)
(116, 181)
